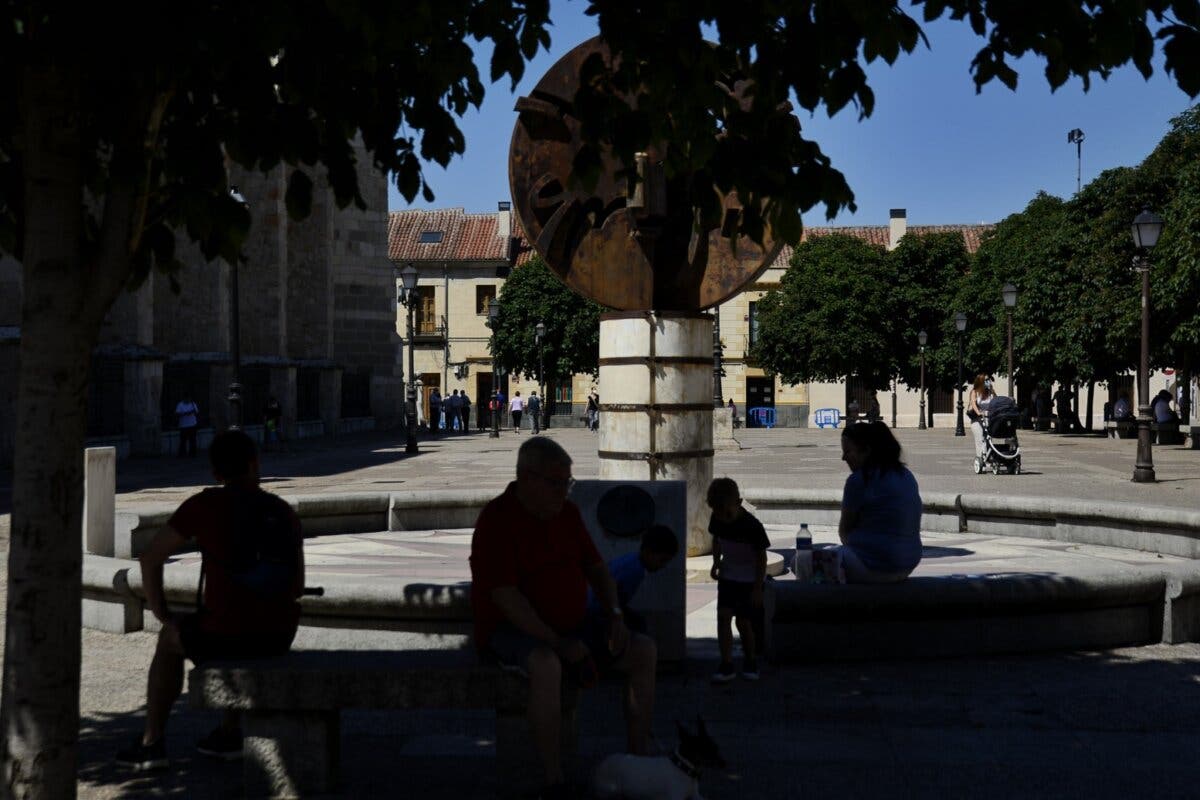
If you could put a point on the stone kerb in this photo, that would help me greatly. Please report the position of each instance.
(425, 510)
(1172, 532)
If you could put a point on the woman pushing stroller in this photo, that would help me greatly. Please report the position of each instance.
(978, 399)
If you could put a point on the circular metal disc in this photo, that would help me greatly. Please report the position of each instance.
(627, 255)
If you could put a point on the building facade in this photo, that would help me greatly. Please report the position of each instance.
(316, 329)
(462, 260)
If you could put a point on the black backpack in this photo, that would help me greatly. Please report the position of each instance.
(262, 553)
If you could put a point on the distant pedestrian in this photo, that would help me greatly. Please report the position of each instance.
(517, 407)
(534, 406)
(453, 414)
(272, 425)
(188, 415)
(464, 411)
(435, 410)
(593, 412)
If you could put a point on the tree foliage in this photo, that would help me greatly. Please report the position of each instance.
(833, 315)
(927, 267)
(814, 51)
(120, 124)
(119, 127)
(533, 294)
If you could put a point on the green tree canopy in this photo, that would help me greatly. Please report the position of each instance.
(533, 294)
(1033, 251)
(928, 269)
(119, 124)
(834, 314)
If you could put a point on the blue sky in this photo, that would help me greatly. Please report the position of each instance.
(932, 146)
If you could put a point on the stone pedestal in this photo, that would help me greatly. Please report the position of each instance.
(99, 499)
(723, 429)
(656, 405)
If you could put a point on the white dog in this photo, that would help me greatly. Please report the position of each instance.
(673, 777)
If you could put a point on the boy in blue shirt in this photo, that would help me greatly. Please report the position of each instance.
(658, 547)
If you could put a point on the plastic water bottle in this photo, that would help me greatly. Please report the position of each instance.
(802, 562)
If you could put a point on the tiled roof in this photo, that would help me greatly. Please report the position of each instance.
(465, 237)
(472, 237)
(878, 234)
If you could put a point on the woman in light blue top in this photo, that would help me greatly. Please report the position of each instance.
(880, 527)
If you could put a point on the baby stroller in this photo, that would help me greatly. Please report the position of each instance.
(1001, 448)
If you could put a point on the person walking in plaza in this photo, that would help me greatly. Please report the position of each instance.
(593, 412)
(977, 403)
(532, 561)
(739, 566)
(464, 411)
(534, 406)
(880, 524)
(517, 407)
(251, 573)
(187, 415)
(273, 425)
(435, 410)
(453, 414)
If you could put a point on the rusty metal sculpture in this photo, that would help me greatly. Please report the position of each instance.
(627, 244)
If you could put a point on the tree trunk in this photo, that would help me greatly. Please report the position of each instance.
(40, 715)
(65, 298)
(1090, 403)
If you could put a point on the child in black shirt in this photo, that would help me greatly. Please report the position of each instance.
(740, 567)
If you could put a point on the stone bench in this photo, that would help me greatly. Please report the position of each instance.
(291, 710)
(949, 615)
(1166, 433)
(1121, 429)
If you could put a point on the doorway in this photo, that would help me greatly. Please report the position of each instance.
(760, 393)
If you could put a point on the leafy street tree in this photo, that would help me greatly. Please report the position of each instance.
(533, 294)
(1032, 250)
(117, 131)
(928, 269)
(813, 51)
(834, 314)
(119, 126)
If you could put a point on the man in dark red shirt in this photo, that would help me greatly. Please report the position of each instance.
(252, 568)
(531, 563)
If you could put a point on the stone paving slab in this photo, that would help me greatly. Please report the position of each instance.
(1104, 724)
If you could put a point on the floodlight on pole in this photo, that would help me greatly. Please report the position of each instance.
(1075, 137)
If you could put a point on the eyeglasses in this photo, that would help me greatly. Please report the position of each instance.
(554, 483)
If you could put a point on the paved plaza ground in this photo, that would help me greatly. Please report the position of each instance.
(1102, 724)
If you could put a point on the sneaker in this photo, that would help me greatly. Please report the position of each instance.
(724, 674)
(750, 669)
(225, 745)
(143, 757)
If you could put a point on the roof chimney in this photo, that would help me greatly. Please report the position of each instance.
(897, 227)
(504, 219)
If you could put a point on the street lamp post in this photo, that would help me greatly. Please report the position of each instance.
(1146, 228)
(235, 334)
(540, 334)
(1009, 293)
(922, 337)
(493, 316)
(960, 325)
(408, 277)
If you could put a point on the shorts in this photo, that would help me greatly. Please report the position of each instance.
(510, 647)
(200, 645)
(735, 596)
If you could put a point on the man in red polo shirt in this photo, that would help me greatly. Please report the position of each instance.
(531, 563)
(252, 567)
